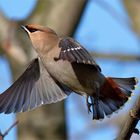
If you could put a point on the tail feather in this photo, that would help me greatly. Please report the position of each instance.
(126, 83)
(126, 91)
(97, 111)
(113, 95)
(111, 104)
(106, 108)
(97, 108)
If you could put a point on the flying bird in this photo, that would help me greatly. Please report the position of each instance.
(64, 66)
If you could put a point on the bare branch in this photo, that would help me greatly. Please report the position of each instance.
(133, 10)
(8, 130)
(130, 125)
(124, 57)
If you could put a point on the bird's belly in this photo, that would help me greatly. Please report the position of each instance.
(64, 72)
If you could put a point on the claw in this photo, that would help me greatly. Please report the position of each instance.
(89, 107)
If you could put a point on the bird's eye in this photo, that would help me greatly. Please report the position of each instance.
(31, 30)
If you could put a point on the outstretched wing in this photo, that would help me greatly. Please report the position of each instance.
(72, 51)
(33, 88)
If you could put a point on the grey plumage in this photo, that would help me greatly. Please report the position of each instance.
(34, 88)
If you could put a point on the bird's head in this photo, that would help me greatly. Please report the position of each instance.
(42, 38)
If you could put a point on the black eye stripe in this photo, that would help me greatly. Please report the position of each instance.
(32, 30)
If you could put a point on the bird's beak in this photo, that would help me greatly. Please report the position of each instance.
(25, 29)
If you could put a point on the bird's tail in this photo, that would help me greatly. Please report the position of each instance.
(112, 96)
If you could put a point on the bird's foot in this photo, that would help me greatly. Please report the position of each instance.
(89, 107)
(89, 104)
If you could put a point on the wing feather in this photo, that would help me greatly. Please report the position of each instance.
(72, 51)
(33, 88)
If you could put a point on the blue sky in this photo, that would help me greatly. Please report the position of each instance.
(98, 31)
(16, 9)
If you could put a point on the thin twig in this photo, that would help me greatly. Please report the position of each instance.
(8, 130)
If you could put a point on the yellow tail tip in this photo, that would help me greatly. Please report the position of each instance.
(132, 94)
(136, 80)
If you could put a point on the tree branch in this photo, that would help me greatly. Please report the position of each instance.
(124, 57)
(134, 15)
(130, 125)
(8, 130)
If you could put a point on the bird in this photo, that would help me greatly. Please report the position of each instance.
(63, 67)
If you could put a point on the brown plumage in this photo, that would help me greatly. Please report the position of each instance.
(64, 66)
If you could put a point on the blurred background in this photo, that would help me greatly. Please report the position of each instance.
(110, 30)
